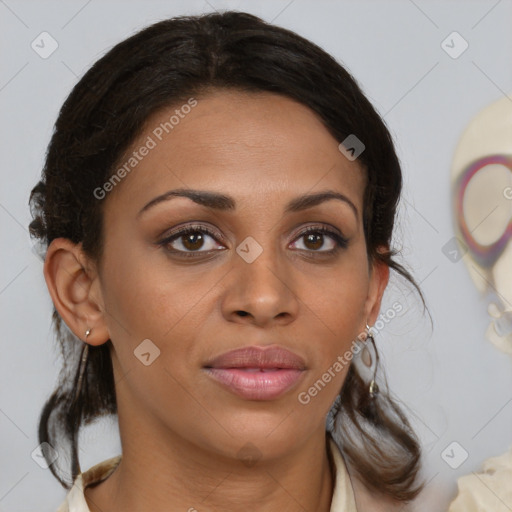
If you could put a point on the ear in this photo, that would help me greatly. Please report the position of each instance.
(379, 277)
(72, 281)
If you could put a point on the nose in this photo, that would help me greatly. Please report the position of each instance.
(261, 292)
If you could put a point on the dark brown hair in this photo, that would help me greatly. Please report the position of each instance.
(165, 64)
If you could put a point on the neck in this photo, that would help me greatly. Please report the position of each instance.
(177, 475)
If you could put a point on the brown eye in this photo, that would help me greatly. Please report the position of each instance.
(190, 240)
(314, 240)
(320, 240)
(193, 241)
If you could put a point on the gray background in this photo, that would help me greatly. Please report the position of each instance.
(455, 385)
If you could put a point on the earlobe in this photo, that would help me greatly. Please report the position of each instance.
(70, 287)
(378, 282)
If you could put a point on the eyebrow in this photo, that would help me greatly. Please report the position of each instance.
(222, 202)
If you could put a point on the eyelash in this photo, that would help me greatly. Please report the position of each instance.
(341, 241)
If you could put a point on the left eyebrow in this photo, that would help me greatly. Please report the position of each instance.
(309, 200)
(217, 201)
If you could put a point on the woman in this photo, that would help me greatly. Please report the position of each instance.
(217, 205)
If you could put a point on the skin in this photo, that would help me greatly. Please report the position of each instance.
(180, 430)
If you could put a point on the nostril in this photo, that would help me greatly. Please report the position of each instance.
(242, 313)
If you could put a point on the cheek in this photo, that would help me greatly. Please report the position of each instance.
(340, 296)
(144, 292)
(144, 300)
(336, 311)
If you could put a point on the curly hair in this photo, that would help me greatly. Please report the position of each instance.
(163, 65)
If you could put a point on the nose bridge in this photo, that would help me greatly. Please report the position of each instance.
(261, 282)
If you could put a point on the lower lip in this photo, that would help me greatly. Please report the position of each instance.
(253, 385)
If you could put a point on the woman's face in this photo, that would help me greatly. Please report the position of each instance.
(254, 279)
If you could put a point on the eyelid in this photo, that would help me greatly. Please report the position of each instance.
(175, 234)
(321, 227)
(335, 234)
(325, 229)
(191, 226)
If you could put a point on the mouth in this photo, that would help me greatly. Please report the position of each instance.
(252, 370)
(257, 373)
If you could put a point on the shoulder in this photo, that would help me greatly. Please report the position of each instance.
(75, 499)
(100, 471)
(359, 497)
(369, 501)
(488, 490)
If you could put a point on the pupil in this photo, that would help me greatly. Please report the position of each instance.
(192, 239)
(315, 240)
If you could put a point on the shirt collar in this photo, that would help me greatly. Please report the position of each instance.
(343, 499)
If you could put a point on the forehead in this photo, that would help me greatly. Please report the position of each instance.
(260, 145)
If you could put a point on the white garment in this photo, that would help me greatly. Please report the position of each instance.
(343, 499)
(488, 491)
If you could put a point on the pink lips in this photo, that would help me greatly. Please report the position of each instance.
(257, 373)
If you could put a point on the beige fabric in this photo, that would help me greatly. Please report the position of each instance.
(488, 491)
(75, 500)
(343, 499)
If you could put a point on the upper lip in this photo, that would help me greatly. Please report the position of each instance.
(258, 357)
